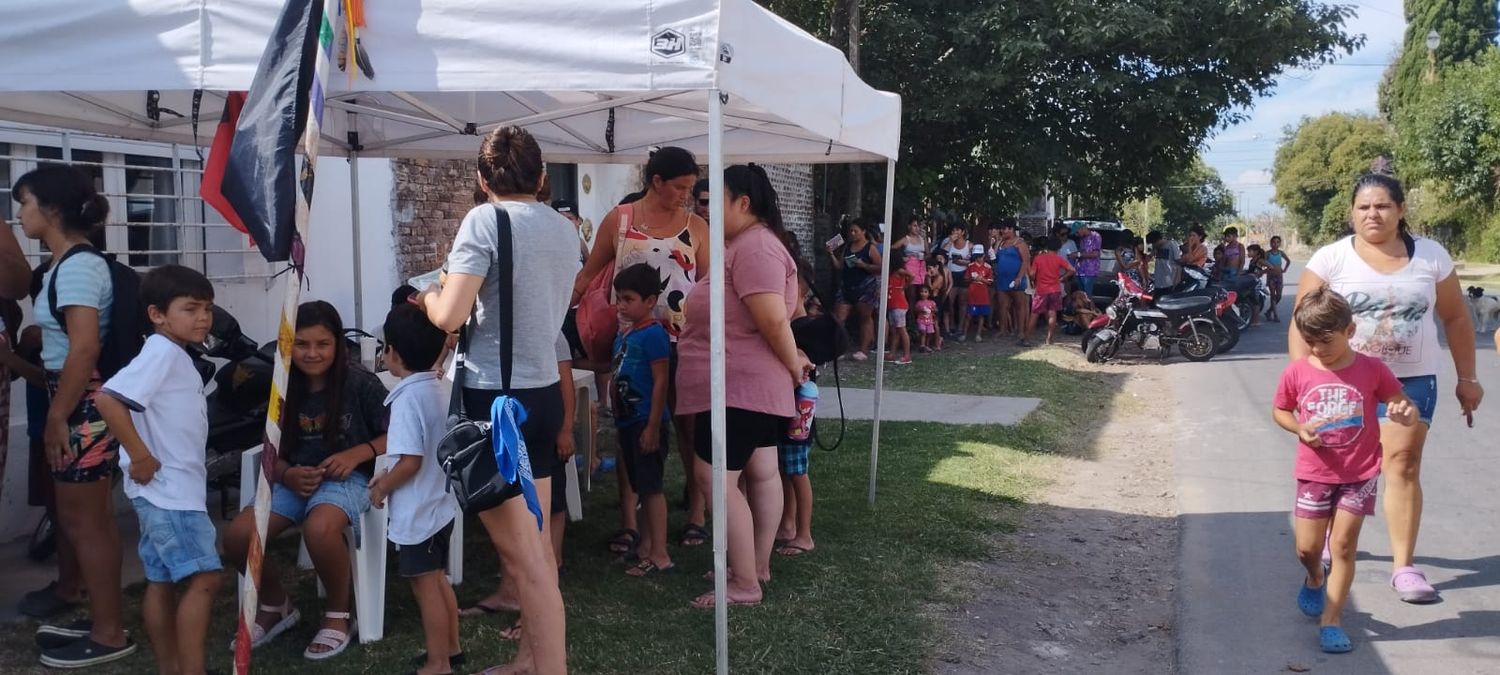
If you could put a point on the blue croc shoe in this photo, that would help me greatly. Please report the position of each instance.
(1310, 600)
(1333, 640)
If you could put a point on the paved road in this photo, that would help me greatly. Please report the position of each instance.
(1239, 576)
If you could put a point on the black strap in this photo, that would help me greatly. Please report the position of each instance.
(57, 314)
(505, 270)
(506, 265)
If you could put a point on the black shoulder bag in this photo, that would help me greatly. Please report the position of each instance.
(467, 451)
(823, 339)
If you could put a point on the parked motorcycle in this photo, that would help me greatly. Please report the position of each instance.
(1188, 321)
(237, 403)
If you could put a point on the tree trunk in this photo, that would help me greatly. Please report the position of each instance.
(856, 172)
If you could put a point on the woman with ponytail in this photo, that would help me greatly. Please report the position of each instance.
(545, 248)
(1398, 285)
(60, 208)
(761, 296)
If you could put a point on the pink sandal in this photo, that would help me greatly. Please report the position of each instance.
(1411, 585)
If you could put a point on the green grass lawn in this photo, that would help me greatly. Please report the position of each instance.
(861, 603)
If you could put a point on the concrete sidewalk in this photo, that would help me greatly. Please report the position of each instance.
(907, 406)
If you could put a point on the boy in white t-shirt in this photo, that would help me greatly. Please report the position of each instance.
(156, 409)
(421, 511)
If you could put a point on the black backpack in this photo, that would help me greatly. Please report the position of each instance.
(127, 316)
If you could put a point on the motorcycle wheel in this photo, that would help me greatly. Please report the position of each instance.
(1227, 334)
(1099, 351)
(1198, 346)
(1244, 312)
(43, 542)
(1088, 335)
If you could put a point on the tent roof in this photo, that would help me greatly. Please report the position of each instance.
(446, 70)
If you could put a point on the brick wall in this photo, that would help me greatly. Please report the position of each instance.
(794, 192)
(432, 196)
(430, 200)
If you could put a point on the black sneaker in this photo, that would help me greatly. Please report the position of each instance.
(52, 637)
(84, 652)
(44, 604)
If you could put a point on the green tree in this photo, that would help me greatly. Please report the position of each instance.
(1103, 99)
(1451, 133)
(1317, 164)
(1195, 195)
(1466, 29)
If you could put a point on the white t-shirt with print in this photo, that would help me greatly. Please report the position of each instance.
(165, 396)
(1393, 313)
(419, 418)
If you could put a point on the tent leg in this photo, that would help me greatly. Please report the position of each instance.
(885, 284)
(359, 277)
(718, 400)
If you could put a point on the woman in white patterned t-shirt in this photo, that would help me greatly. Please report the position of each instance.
(1397, 285)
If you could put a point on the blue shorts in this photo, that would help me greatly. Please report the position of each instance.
(979, 310)
(351, 495)
(175, 544)
(1422, 390)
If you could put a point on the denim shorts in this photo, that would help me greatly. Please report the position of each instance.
(1422, 390)
(351, 495)
(175, 544)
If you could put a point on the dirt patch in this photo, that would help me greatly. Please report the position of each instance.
(1086, 582)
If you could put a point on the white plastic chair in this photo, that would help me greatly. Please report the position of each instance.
(368, 558)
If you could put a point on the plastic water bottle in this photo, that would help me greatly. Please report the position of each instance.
(807, 399)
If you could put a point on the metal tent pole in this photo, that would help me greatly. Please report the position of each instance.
(885, 285)
(359, 277)
(718, 400)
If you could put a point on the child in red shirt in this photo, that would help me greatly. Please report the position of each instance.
(1330, 400)
(1048, 270)
(897, 341)
(980, 277)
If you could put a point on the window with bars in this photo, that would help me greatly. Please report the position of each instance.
(156, 216)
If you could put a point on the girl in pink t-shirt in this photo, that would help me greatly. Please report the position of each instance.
(927, 320)
(1330, 400)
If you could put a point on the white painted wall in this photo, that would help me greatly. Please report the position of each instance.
(601, 187)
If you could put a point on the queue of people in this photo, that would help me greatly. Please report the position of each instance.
(135, 419)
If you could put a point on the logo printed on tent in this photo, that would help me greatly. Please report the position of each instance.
(668, 44)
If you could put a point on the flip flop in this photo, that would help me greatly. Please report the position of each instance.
(624, 541)
(479, 609)
(694, 535)
(792, 551)
(511, 633)
(1311, 600)
(1333, 640)
(455, 660)
(646, 568)
(706, 601)
(1411, 585)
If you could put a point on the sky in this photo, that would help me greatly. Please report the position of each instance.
(1244, 153)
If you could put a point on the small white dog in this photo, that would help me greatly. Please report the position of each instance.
(1485, 309)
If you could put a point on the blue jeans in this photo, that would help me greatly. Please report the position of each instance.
(175, 544)
(1422, 390)
(1087, 283)
(351, 495)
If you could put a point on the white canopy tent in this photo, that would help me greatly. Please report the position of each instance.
(595, 82)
